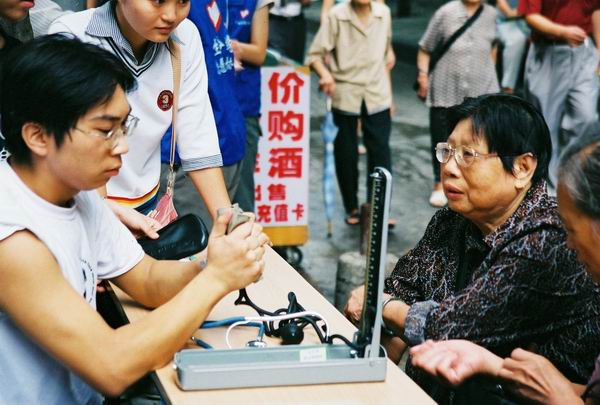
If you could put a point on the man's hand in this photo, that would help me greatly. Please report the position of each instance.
(454, 361)
(534, 377)
(327, 84)
(236, 260)
(138, 224)
(573, 34)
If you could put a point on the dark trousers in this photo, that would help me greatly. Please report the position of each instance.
(244, 194)
(376, 138)
(287, 35)
(438, 127)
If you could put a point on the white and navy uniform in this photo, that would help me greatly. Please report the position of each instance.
(151, 102)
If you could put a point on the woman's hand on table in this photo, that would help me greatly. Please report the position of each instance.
(534, 377)
(454, 361)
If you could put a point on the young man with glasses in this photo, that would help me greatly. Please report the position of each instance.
(66, 119)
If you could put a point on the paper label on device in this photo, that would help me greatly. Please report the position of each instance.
(312, 355)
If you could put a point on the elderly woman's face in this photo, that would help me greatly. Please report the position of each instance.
(482, 191)
(582, 237)
(15, 10)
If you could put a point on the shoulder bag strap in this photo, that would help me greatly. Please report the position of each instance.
(176, 65)
(439, 52)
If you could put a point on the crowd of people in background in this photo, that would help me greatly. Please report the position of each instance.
(501, 267)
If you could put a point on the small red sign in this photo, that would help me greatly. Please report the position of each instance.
(165, 100)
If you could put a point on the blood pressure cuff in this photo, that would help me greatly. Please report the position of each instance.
(182, 238)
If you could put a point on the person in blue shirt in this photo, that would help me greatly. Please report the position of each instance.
(211, 22)
(248, 24)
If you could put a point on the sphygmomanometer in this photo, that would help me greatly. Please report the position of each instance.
(256, 365)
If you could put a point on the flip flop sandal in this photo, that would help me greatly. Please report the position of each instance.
(353, 219)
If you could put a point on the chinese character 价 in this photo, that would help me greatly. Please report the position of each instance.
(290, 84)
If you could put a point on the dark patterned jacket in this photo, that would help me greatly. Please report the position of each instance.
(524, 287)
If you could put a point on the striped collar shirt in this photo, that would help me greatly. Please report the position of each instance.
(104, 24)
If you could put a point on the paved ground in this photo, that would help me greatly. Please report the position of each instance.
(410, 156)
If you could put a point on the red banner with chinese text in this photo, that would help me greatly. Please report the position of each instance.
(281, 173)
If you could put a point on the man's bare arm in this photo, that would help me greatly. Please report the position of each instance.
(153, 282)
(572, 34)
(55, 316)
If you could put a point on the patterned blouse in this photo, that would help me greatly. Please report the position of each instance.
(467, 68)
(522, 287)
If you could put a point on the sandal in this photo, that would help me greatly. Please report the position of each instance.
(353, 218)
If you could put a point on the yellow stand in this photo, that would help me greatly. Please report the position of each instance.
(288, 235)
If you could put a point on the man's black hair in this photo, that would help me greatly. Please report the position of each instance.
(510, 126)
(53, 81)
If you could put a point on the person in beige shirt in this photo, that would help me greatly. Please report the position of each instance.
(355, 40)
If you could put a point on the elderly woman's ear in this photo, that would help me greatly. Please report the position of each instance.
(523, 169)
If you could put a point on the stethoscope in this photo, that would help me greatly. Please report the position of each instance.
(285, 323)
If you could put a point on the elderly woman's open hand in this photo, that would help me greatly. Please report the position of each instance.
(454, 361)
(533, 376)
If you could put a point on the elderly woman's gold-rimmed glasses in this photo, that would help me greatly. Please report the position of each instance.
(464, 155)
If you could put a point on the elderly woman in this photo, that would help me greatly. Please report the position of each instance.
(494, 267)
(531, 375)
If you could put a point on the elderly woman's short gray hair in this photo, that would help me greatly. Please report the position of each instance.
(579, 173)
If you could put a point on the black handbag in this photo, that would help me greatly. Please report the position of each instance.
(182, 238)
(441, 50)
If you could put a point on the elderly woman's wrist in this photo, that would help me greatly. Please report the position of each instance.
(393, 313)
(493, 364)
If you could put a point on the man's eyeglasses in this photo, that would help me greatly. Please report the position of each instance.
(115, 134)
(464, 155)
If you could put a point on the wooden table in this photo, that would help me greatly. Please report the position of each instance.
(271, 293)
